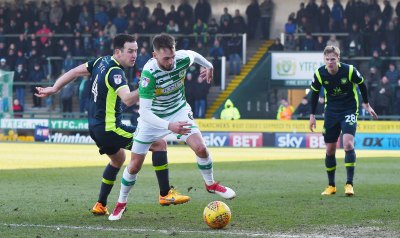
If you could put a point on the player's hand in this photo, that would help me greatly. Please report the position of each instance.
(180, 127)
(207, 74)
(45, 92)
(313, 122)
(370, 110)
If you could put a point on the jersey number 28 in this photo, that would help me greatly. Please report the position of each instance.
(351, 118)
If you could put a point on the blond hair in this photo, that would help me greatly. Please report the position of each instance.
(332, 49)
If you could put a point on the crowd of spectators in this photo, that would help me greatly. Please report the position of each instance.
(358, 29)
(74, 31)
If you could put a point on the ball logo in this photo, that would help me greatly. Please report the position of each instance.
(286, 67)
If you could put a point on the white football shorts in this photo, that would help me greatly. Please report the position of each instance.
(146, 133)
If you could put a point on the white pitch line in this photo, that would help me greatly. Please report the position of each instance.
(143, 230)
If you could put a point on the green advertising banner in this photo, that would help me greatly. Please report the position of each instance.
(6, 93)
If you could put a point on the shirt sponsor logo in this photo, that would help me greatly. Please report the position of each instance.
(117, 79)
(173, 86)
(144, 82)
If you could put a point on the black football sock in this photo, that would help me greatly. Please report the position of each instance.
(109, 176)
(350, 163)
(330, 164)
(160, 164)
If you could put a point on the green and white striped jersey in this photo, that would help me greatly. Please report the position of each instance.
(165, 88)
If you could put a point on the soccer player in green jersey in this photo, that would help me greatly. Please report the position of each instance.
(109, 89)
(341, 110)
(163, 110)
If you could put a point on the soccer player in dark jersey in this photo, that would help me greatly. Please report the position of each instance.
(109, 90)
(339, 81)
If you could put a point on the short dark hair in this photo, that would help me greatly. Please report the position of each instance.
(162, 41)
(120, 40)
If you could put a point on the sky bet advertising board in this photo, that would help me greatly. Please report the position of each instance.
(220, 139)
(301, 140)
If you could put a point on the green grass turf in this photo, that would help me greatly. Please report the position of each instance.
(273, 197)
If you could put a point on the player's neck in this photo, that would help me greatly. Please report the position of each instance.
(333, 71)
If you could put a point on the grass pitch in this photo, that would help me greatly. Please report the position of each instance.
(47, 191)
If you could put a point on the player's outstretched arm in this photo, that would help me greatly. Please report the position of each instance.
(66, 78)
(199, 59)
(370, 110)
(127, 97)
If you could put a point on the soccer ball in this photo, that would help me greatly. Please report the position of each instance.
(217, 215)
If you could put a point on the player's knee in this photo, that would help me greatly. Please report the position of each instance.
(348, 146)
(201, 151)
(160, 145)
(118, 162)
(134, 169)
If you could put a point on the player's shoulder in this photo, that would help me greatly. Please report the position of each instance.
(150, 64)
(150, 67)
(321, 69)
(182, 54)
(346, 66)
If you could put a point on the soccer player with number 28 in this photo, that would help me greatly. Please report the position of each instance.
(339, 81)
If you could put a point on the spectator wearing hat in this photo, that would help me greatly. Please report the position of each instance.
(3, 65)
(230, 112)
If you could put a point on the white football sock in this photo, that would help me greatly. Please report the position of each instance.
(206, 169)
(127, 182)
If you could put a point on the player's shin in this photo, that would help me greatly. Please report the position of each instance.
(160, 164)
(107, 183)
(350, 163)
(206, 169)
(127, 182)
(330, 164)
